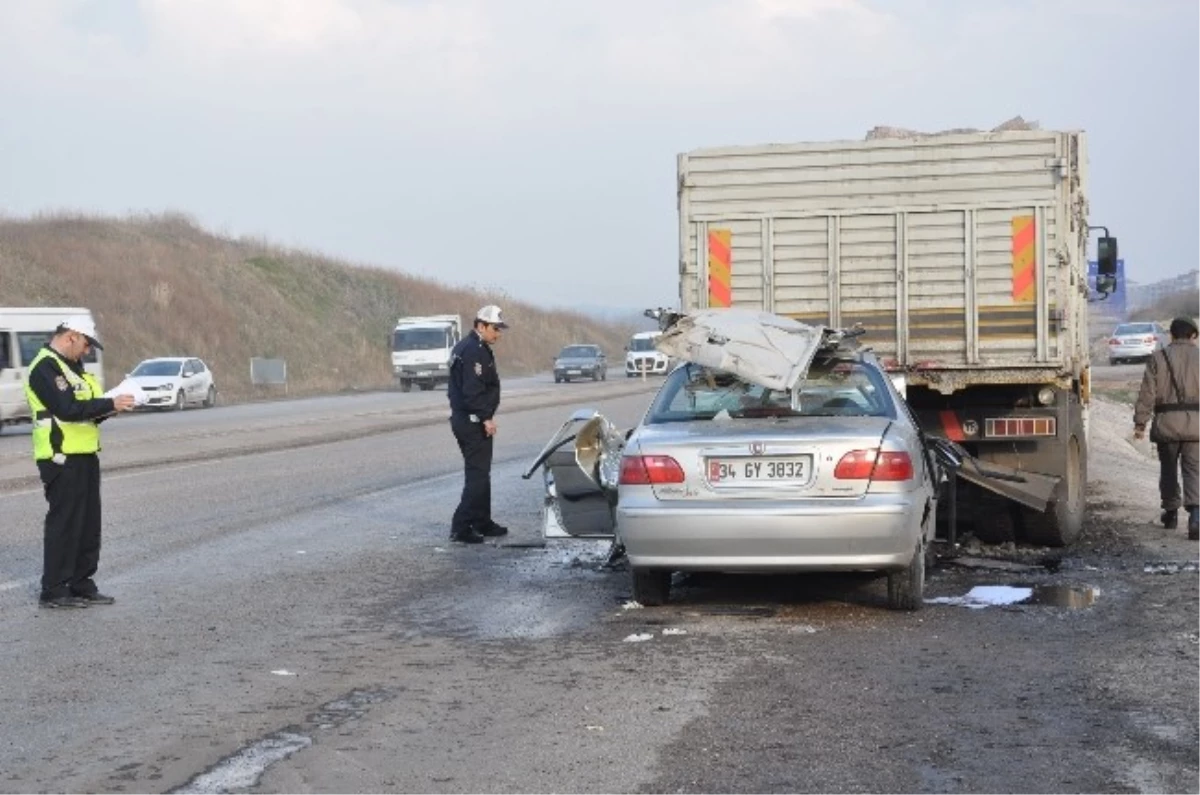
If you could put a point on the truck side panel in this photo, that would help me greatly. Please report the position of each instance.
(916, 239)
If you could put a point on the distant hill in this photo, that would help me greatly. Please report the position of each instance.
(161, 285)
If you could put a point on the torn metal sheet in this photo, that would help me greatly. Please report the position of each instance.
(1031, 489)
(759, 347)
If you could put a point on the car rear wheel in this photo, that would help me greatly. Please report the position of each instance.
(906, 588)
(651, 587)
(210, 399)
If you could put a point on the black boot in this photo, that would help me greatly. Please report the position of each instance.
(1170, 519)
(1193, 523)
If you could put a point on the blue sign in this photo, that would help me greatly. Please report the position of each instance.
(1115, 303)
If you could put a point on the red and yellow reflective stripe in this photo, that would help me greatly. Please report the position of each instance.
(1024, 259)
(720, 267)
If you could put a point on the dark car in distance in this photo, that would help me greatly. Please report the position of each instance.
(580, 361)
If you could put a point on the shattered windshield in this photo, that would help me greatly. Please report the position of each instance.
(832, 388)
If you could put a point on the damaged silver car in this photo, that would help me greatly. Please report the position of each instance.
(774, 447)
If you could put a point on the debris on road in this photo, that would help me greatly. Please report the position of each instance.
(638, 637)
(284, 672)
(985, 596)
(674, 631)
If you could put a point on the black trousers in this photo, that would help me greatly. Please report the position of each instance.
(71, 537)
(1173, 457)
(475, 506)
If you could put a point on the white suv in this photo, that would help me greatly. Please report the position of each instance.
(175, 382)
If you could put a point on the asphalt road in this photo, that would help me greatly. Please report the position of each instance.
(290, 618)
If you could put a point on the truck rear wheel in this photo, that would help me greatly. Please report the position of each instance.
(405, 385)
(1061, 524)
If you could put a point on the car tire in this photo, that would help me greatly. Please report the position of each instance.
(405, 386)
(179, 400)
(651, 587)
(906, 587)
(426, 387)
(595, 376)
(210, 399)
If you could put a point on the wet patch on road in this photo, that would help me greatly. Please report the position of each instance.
(983, 596)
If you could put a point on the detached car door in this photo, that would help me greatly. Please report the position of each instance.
(576, 467)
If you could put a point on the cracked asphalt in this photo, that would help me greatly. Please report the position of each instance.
(291, 618)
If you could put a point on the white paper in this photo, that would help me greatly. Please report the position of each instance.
(131, 388)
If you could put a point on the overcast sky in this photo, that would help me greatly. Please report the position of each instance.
(529, 145)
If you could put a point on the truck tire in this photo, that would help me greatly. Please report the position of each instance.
(426, 387)
(1061, 524)
(906, 587)
(651, 587)
(405, 385)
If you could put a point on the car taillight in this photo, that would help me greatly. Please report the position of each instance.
(643, 470)
(874, 465)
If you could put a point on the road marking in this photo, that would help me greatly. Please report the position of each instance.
(9, 586)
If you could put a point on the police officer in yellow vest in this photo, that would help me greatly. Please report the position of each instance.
(67, 406)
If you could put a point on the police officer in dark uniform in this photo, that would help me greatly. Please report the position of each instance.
(474, 393)
(67, 407)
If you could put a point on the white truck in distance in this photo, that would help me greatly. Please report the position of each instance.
(23, 332)
(421, 349)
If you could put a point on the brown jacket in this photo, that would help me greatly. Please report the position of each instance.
(1171, 426)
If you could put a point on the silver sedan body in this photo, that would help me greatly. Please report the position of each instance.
(776, 447)
(841, 482)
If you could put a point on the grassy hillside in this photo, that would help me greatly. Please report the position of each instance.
(162, 286)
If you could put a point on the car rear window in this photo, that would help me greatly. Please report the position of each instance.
(1135, 328)
(831, 389)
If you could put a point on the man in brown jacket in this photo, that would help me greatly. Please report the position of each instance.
(1171, 393)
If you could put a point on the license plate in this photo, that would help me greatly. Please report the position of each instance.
(734, 471)
(424, 372)
(572, 372)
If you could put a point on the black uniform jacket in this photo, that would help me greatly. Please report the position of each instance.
(474, 383)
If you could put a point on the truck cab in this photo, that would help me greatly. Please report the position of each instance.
(641, 357)
(421, 349)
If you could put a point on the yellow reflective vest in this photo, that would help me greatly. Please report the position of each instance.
(77, 437)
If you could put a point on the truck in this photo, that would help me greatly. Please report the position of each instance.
(964, 258)
(23, 332)
(421, 349)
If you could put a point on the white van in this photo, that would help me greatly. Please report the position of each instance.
(642, 357)
(23, 332)
(421, 349)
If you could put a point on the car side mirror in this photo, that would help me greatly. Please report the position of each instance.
(1106, 256)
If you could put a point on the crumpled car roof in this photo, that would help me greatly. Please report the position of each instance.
(759, 347)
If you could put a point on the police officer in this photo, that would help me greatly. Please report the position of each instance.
(67, 407)
(474, 393)
(1171, 394)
